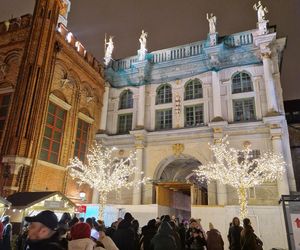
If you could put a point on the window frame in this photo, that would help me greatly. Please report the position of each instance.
(127, 128)
(201, 106)
(126, 99)
(3, 119)
(192, 96)
(83, 128)
(166, 95)
(234, 101)
(53, 129)
(240, 84)
(158, 123)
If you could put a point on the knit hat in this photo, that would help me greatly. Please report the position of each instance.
(80, 231)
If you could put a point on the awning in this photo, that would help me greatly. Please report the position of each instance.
(40, 201)
(4, 203)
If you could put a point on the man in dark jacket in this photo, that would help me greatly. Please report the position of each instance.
(7, 232)
(124, 236)
(42, 234)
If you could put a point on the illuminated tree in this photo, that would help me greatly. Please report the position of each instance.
(105, 172)
(241, 169)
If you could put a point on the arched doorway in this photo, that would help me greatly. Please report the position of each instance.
(177, 188)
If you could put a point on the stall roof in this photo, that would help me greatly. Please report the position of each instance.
(5, 202)
(27, 199)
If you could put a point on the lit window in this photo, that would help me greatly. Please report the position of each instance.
(241, 82)
(126, 100)
(244, 109)
(193, 116)
(4, 106)
(164, 119)
(164, 94)
(81, 139)
(124, 123)
(193, 90)
(53, 134)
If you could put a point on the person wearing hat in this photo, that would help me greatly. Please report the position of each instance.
(42, 232)
(80, 237)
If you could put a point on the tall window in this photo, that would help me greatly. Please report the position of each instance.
(81, 139)
(244, 109)
(4, 106)
(193, 115)
(193, 90)
(124, 123)
(164, 119)
(126, 100)
(164, 94)
(53, 134)
(241, 82)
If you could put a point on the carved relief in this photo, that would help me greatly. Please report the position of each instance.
(178, 148)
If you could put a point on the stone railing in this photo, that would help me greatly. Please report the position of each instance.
(77, 45)
(239, 39)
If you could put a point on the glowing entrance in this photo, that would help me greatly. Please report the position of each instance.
(177, 188)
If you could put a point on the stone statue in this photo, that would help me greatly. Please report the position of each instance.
(109, 47)
(143, 41)
(261, 11)
(212, 20)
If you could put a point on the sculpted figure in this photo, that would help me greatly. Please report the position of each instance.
(261, 11)
(212, 20)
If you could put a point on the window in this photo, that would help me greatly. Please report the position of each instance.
(164, 119)
(126, 100)
(193, 116)
(241, 82)
(4, 106)
(244, 109)
(81, 139)
(193, 90)
(53, 134)
(164, 94)
(124, 123)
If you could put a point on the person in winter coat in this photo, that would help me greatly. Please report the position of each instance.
(7, 233)
(42, 234)
(124, 235)
(234, 234)
(148, 233)
(106, 241)
(248, 238)
(80, 234)
(163, 239)
(214, 239)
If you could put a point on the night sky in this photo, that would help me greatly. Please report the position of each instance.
(174, 22)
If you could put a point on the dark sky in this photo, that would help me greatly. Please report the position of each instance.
(174, 22)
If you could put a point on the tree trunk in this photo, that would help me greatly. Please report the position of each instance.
(102, 200)
(243, 201)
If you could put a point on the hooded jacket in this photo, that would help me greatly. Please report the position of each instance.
(164, 240)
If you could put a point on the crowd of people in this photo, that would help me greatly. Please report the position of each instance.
(44, 231)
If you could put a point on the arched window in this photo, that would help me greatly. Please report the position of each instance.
(164, 94)
(126, 100)
(193, 90)
(241, 82)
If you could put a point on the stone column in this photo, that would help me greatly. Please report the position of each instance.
(141, 108)
(269, 83)
(283, 184)
(137, 190)
(216, 94)
(104, 109)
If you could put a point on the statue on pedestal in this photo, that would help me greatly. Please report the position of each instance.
(109, 47)
(143, 41)
(212, 20)
(261, 11)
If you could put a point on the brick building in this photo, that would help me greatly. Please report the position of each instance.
(51, 92)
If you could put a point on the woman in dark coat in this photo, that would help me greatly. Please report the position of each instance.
(234, 234)
(148, 233)
(214, 239)
(164, 239)
(248, 238)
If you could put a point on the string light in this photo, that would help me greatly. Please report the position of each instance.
(240, 169)
(105, 172)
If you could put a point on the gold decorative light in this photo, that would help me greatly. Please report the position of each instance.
(239, 169)
(105, 172)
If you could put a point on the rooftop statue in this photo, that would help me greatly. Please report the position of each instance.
(261, 11)
(109, 47)
(143, 42)
(212, 20)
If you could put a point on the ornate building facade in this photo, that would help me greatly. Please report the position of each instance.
(168, 105)
(51, 93)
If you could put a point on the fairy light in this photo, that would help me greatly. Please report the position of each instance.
(239, 169)
(105, 172)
